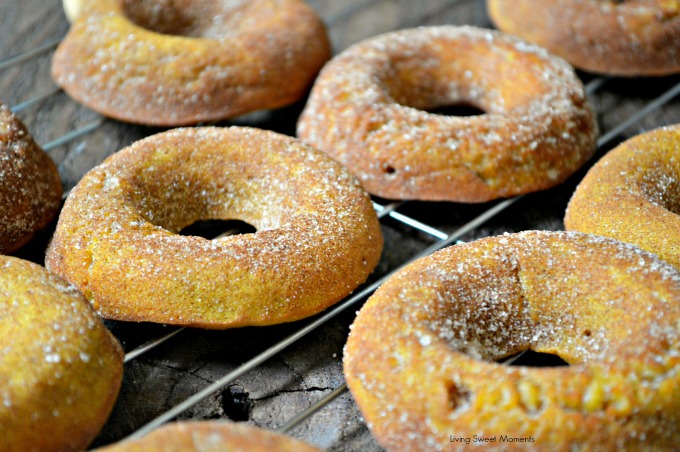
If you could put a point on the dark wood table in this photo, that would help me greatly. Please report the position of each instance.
(310, 368)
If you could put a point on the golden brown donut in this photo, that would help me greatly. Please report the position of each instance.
(368, 109)
(30, 186)
(621, 38)
(632, 194)
(60, 368)
(211, 436)
(179, 62)
(317, 239)
(420, 359)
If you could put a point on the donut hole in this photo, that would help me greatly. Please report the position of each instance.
(531, 358)
(440, 100)
(470, 80)
(488, 316)
(463, 109)
(427, 82)
(212, 229)
(233, 200)
(206, 19)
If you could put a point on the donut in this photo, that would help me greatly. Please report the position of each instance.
(60, 368)
(317, 234)
(420, 358)
(369, 110)
(632, 194)
(211, 436)
(182, 62)
(619, 38)
(30, 186)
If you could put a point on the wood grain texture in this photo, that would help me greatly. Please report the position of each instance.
(311, 368)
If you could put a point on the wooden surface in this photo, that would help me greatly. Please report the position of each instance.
(307, 371)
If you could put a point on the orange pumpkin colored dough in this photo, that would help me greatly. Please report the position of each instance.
(60, 368)
(318, 236)
(211, 436)
(420, 359)
(181, 62)
(632, 194)
(30, 186)
(621, 38)
(370, 109)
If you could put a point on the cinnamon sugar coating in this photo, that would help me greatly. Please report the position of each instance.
(317, 239)
(30, 186)
(368, 109)
(181, 62)
(211, 436)
(633, 194)
(420, 359)
(622, 38)
(60, 368)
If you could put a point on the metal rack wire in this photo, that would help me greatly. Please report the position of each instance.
(399, 214)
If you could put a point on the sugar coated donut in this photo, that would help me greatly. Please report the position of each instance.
(211, 436)
(317, 239)
(633, 194)
(368, 109)
(179, 62)
(420, 359)
(622, 38)
(30, 186)
(60, 368)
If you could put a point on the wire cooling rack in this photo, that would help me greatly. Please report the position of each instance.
(289, 377)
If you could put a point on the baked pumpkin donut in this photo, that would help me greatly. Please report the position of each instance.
(60, 368)
(420, 359)
(318, 236)
(211, 436)
(368, 109)
(30, 186)
(179, 62)
(621, 38)
(632, 194)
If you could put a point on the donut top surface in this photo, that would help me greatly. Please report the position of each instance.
(534, 289)
(211, 436)
(30, 187)
(369, 108)
(180, 62)
(620, 38)
(318, 236)
(420, 359)
(633, 194)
